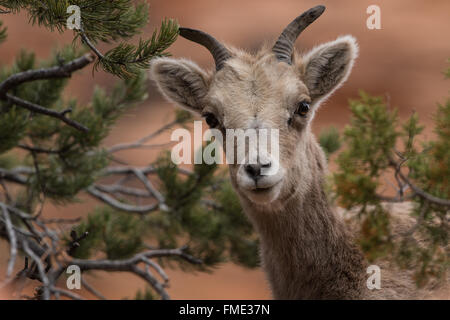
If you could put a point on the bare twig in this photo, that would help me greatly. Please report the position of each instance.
(159, 288)
(37, 149)
(117, 188)
(14, 175)
(128, 170)
(66, 293)
(419, 221)
(20, 231)
(88, 42)
(16, 211)
(417, 191)
(425, 195)
(12, 241)
(43, 277)
(97, 52)
(120, 205)
(131, 265)
(92, 289)
(148, 185)
(158, 269)
(5, 190)
(140, 143)
(395, 199)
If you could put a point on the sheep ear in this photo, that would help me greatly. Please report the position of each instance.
(181, 81)
(326, 67)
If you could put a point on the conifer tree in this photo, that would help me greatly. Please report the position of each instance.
(378, 148)
(178, 218)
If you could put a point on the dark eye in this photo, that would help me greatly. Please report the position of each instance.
(302, 109)
(211, 120)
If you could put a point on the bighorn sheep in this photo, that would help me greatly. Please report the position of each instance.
(306, 250)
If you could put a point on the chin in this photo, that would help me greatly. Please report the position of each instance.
(263, 196)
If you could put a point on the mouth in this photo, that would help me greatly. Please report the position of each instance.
(263, 195)
(262, 190)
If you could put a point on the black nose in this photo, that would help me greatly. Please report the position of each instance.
(254, 170)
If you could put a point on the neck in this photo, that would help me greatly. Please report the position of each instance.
(306, 250)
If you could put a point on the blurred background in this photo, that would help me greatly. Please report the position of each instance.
(402, 61)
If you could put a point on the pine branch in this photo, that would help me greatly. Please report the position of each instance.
(104, 21)
(126, 59)
(425, 195)
(63, 71)
(37, 149)
(52, 113)
(417, 191)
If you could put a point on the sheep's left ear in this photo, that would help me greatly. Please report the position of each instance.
(326, 67)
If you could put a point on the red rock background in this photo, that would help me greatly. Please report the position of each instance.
(404, 61)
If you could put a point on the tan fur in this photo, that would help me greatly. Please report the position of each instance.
(307, 251)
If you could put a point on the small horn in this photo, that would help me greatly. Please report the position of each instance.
(218, 51)
(285, 44)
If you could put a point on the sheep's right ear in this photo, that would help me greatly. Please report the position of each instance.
(181, 81)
